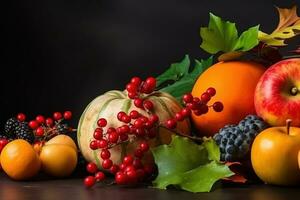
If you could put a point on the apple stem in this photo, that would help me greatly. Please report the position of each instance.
(288, 125)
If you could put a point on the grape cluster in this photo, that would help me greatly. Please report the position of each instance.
(235, 141)
(137, 126)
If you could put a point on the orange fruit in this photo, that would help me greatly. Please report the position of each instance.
(19, 160)
(235, 83)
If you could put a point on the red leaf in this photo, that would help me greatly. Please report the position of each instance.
(238, 177)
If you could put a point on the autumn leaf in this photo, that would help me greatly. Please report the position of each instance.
(288, 27)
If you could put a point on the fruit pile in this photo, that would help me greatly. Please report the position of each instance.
(165, 129)
(136, 127)
(27, 147)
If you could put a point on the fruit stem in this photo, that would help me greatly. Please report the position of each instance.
(180, 134)
(288, 125)
(294, 91)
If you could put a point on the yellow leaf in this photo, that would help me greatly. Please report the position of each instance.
(288, 27)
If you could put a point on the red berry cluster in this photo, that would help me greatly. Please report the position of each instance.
(137, 87)
(135, 125)
(195, 105)
(42, 126)
(131, 170)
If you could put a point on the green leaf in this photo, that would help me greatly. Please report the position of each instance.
(175, 71)
(203, 177)
(212, 149)
(222, 36)
(189, 166)
(185, 83)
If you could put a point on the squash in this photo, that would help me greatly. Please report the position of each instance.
(108, 105)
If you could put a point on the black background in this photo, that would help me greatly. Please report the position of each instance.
(59, 54)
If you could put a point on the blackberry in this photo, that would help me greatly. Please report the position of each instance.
(10, 125)
(62, 128)
(24, 132)
(235, 141)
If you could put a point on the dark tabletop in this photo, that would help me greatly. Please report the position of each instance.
(73, 189)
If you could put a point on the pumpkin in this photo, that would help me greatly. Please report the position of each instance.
(108, 106)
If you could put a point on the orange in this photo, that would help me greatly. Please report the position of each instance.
(235, 83)
(19, 160)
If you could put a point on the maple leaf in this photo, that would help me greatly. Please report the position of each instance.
(288, 27)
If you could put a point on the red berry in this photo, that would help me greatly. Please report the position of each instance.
(105, 154)
(124, 129)
(129, 168)
(102, 143)
(40, 119)
(99, 176)
(39, 131)
(185, 112)
(123, 137)
(171, 124)
(140, 132)
(187, 98)
(136, 81)
(126, 119)
(205, 97)
(110, 130)
(132, 95)
(91, 168)
(138, 103)
(137, 163)
(144, 119)
(211, 91)
(68, 115)
(122, 166)
(153, 118)
(138, 123)
(98, 133)
(33, 124)
(132, 176)
(144, 146)
(93, 145)
(121, 178)
(113, 137)
(21, 117)
(138, 153)
(107, 163)
(101, 122)
(203, 109)
(57, 116)
(149, 169)
(148, 105)
(49, 122)
(148, 125)
(196, 100)
(3, 142)
(150, 83)
(134, 114)
(120, 115)
(218, 106)
(197, 112)
(130, 87)
(114, 169)
(89, 181)
(127, 160)
(179, 116)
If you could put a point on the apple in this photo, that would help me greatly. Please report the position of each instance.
(277, 94)
(274, 155)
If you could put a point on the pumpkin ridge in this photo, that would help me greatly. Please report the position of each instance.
(80, 123)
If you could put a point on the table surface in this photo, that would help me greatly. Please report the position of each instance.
(73, 189)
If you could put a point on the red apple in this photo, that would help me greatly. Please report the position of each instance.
(277, 94)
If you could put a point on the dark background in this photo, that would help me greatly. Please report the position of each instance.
(60, 55)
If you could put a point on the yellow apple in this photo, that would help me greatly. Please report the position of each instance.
(274, 155)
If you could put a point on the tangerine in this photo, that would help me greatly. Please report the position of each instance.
(235, 83)
(19, 160)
